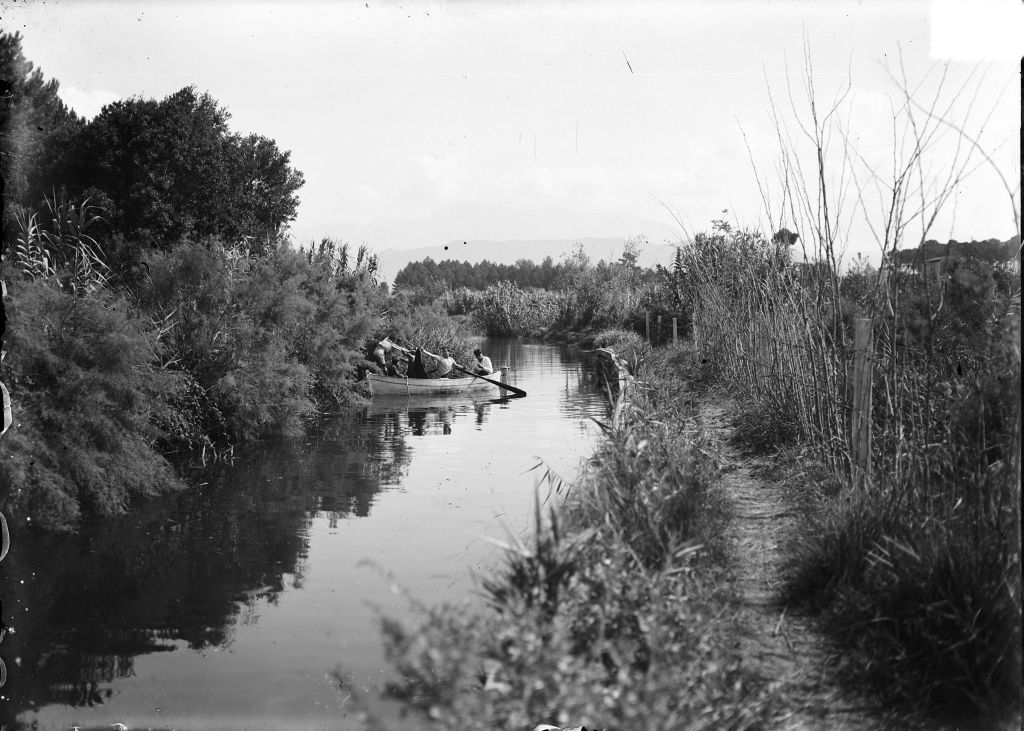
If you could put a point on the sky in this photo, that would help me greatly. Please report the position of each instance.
(652, 110)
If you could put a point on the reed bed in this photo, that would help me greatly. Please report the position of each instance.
(771, 331)
(505, 309)
(588, 297)
(916, 567)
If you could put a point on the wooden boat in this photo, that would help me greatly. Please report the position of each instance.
(398, 386)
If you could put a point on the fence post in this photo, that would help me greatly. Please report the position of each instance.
(675, 333)
(860, 420)
(647, 325)
(659, 329)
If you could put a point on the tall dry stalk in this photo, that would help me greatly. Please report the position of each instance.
(782, 332)
(920, 571)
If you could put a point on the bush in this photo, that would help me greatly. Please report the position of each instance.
(762, 426)
(626, 345)
(206, 346)
(923, 608)
(227, 325)
(426, 326)
(626, 650)
(504, 309)
(83, 443)
(269, 340)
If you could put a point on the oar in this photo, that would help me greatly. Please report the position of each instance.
(513, 389)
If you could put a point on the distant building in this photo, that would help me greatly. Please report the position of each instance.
(934, 260)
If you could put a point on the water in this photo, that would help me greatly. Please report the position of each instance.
(230, 606)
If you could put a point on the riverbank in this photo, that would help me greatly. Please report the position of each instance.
(201, 349)
(197, 350)
(611, 607)
(652, 591)
(630, 590)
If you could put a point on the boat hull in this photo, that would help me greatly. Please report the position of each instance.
(397, 386)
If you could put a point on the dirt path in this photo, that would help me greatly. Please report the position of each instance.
(785, 647)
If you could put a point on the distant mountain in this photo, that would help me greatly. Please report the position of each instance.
(471, 222)
(392, 261)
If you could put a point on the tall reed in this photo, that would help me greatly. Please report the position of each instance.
(916, 569)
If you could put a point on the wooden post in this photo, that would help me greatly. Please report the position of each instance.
(659, 328)
(860, 419)
(647, 325)
(675, 333)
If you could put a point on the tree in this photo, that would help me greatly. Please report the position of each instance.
(36, 127)
(264, 185)
(173, 170)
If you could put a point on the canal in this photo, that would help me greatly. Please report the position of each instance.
(236, 605)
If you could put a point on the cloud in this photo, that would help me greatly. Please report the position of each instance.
(445, 175)
(606, 185)
(87, 103)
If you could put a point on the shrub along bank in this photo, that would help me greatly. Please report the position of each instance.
(199, 347)
(80, 376)
(204, 348)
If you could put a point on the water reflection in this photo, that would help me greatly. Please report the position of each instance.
(183, 572)
(422, 415)
(198, 570)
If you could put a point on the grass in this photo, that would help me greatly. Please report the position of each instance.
(924, 609)
(762, 427)
(533, 575)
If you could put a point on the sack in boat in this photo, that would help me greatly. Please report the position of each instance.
(417, 369)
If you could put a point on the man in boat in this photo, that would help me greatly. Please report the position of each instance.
(394, 368)
(379, 357)
(445, 364)
(413, 360)
(483, 364)
(385, 357)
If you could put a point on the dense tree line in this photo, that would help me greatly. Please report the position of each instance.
(437, 276)
(161, 171)
(155, 305)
